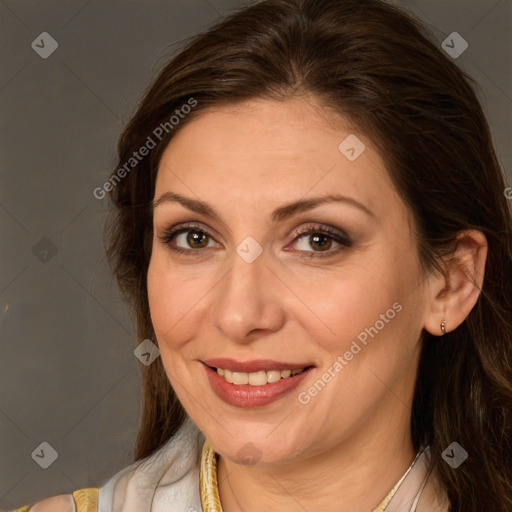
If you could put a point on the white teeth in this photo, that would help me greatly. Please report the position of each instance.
(273, 376)
(240, 378)
(256, 378)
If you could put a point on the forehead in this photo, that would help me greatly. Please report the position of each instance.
(262, 126)
(274, 150)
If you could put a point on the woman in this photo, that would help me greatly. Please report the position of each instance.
(372, 374)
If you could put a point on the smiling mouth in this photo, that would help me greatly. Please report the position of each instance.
(256, 383)
(259, 378)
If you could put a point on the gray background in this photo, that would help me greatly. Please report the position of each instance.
(68, 373)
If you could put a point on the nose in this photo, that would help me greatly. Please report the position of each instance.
(249, 301)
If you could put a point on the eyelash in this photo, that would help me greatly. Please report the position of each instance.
(345, 242)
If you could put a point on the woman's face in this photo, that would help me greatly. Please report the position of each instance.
(251, 294)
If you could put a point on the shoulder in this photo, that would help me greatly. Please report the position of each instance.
(59, 503)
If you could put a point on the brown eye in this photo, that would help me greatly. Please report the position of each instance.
(196, 237)
(191, 239)
(320, 240)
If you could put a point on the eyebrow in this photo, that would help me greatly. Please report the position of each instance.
(278, 215)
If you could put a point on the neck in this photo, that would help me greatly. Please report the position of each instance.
(355, 476)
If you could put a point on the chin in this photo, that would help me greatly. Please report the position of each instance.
(251, 444)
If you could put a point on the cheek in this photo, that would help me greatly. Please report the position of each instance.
(176, 302)
(375, 313)
(168, 310)
(164, 306)
(346, 303)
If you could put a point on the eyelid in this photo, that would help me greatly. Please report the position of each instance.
(315, 227)
(170, 233)
(188, 226)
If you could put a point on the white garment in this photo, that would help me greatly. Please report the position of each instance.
(168, 481)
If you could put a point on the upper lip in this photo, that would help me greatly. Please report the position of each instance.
(254, 365)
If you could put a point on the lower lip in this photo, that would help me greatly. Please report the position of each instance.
(247, 396)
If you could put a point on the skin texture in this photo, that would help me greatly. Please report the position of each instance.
(347, 447)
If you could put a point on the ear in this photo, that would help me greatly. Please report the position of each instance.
(454, 293)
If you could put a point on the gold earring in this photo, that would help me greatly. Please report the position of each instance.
(443, 327)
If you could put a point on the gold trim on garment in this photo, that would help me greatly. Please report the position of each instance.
(208, 485)
(86, 499)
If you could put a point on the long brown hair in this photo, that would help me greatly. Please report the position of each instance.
(376, 65)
